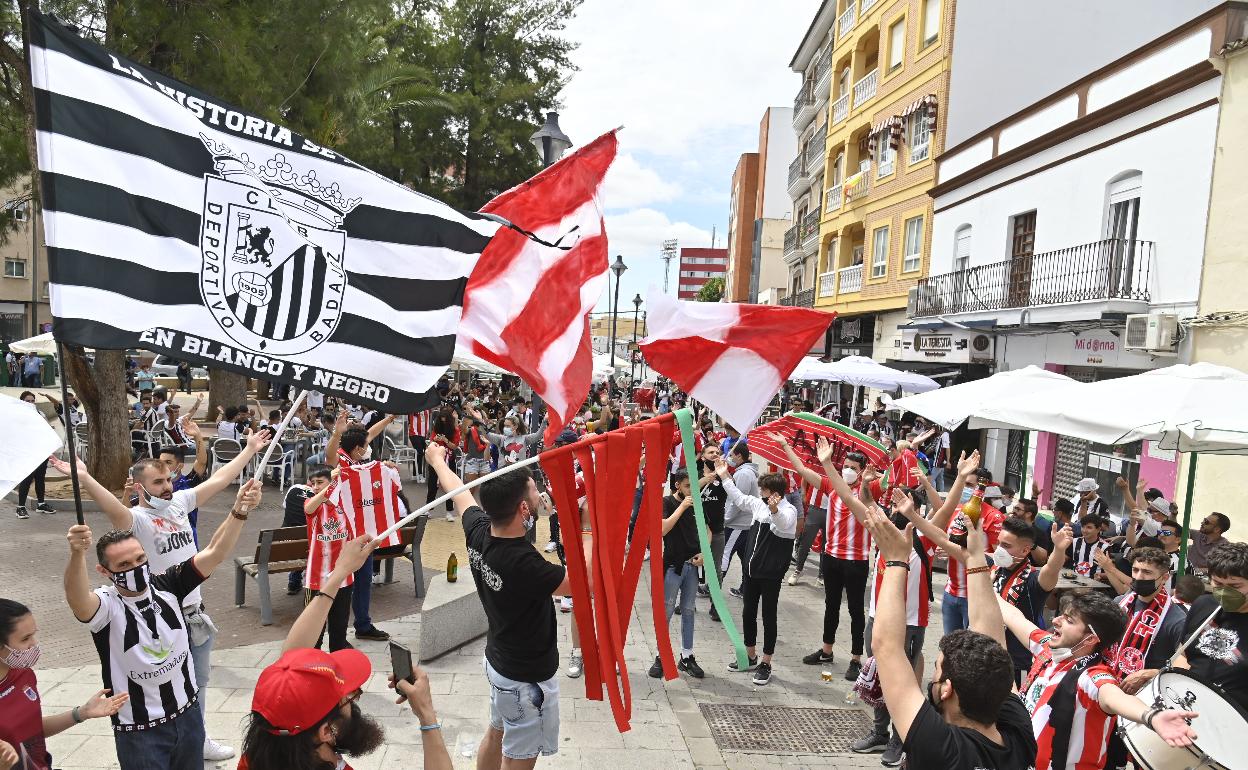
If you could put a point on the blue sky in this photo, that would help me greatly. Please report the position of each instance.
(689, 81)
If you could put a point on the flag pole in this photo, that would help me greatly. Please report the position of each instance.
(598, 438)
(69, 429)
(281, 428)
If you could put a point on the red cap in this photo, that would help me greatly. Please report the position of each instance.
(304, 685)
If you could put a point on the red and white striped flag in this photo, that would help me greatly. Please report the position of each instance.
(526, 305)
(729, 356)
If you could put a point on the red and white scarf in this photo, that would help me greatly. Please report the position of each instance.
(1129, 654)
(1009, 583)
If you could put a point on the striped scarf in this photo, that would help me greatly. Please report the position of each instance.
(1128, 655)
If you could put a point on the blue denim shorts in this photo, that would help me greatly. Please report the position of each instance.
(526, 713)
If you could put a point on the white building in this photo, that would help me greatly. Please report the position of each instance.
(1073, 193)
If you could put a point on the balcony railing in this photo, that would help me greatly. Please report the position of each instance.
(803, 298)
(840, 108)
(850, 279)
(791, 239)
(1114, 268)
(816, 148)
(846, 22)
(866, 6)
(832, 199)
(865, 88)
(861, 187)
(809, 232)
(823, 76)
(827, 284)
(804, 101)
(797, 170)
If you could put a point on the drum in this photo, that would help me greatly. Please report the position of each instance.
(1220, 728)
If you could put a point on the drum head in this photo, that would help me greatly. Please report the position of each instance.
(1152, 753)
(1221, 726)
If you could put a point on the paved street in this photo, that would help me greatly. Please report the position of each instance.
(669, 729)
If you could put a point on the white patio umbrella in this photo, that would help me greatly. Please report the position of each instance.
(1190, 408)
(810, 368)
(42, 344)
(950, 406)
(463, 360)
(861, 371)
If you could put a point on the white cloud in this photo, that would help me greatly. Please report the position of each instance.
(629, 185)
(636, 236)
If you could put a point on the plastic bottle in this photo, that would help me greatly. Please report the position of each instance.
(452, 569)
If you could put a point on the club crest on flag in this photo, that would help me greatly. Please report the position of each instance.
(273, 248)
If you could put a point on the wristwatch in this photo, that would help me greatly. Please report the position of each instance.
(234, 513)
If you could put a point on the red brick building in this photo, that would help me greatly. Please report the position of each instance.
(697, 266)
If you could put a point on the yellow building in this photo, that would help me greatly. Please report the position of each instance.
(890, 65)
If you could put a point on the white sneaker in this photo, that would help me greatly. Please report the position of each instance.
(565, 604)
(450, 516)
(420, 478)
(215, 752)
(377, 578)
(575, 667)
(550, 547)
(793, 578)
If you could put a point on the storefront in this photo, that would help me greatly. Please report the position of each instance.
(13, 325)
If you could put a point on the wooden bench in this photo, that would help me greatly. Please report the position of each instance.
(286, 550)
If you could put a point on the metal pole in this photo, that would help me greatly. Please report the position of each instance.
(632, 354)
(1187, 512)
(34, 266)
(69, 432)
(615, 311)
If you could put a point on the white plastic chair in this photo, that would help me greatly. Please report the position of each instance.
(283, 464)
(223, 451)
(400, 454)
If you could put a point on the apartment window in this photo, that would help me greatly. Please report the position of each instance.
(962, 248)
(1124, 206)
(931, 21)
(14, 268)
(913, 253)
(896, 45)
(837, 168)
(919, 136)
(45, 289)
(888, 156)
(879, 253)
(856, 255)
(19, 213)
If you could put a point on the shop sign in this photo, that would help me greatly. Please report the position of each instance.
(951, 346)
(1097, 347)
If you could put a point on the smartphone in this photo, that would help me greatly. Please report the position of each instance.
(401, 663)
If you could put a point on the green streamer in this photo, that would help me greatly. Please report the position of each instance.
(684, 418)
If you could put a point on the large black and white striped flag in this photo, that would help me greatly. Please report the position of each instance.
(183, 225)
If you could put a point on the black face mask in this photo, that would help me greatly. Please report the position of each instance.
(359, 735)
(1144, 587)
(959, 540)
(934, 699)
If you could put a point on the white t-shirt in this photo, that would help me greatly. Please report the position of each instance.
(227, 429)
(167, 536)
(316, 399)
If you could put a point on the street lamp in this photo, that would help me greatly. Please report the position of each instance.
(632, 354)
(618, 267)
(550, 141)
(551, 144)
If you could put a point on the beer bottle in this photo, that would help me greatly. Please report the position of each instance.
(974, 507)
(452, 569)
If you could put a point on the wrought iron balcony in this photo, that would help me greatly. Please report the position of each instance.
(809, 232)
(816, 148)
(804, 105)
(791, 239)
(803, 298)
(865, 88)
(1114, 268)
(823, 77)
(798, 178)
(850, 279)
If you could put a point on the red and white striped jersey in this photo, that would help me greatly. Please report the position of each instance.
(993, 519)
(1091, 727)
(420, 424)
(793, 483)
(329, 529)
(344, 459)
(918, 600)
(847, 538)
(904, 471)
(369, 495)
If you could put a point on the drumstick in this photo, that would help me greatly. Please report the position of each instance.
(1183, 647)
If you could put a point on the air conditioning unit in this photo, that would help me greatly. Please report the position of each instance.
(1151, 332)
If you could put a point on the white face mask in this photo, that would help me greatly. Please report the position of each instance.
(1006, 503)
(509, 431)
(157, 503)
(368, 452)
(850, 475)
(1002, 557)
(1064, 653)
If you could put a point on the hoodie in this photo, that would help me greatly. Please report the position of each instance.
(745, 478)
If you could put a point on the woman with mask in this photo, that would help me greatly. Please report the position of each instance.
(513, 446)
(446, 433)
(22, 723)
(1220, 654)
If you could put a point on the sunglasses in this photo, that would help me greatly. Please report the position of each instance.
(1166, 532)
(352, 698)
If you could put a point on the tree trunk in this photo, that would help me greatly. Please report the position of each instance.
(225, 389)
(108, 414)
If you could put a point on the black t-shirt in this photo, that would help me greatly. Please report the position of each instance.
(1220, 655)
(681, 543)
(1031, 600)
(714, 497)
(515, 584)
(934, 744)
(1165, 639)
(293, 506)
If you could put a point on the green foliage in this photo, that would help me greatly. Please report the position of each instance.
(711, 291)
